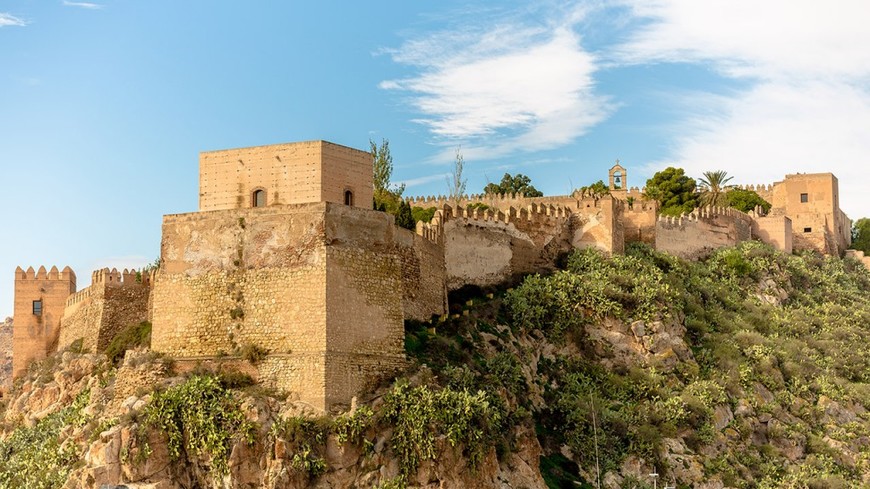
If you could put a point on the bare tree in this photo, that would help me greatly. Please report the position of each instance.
(455, 182)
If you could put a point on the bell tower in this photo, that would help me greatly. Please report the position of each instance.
(618, 177)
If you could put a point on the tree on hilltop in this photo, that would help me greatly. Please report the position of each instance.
(597, 190)
(745, 200)
(388, 196)
(714, 184)
(673, 190)
(516, 184)
(382, 168)
(861, 235)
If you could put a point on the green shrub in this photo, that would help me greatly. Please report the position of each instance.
(132, 336)
(33, 457)
(419, 414)
(253, 353)
(198, 417)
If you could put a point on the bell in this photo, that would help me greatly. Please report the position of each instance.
(618, 180)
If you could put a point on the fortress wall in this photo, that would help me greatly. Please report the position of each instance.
(489, 247)
(775, 231)
(113, 301)
(695, 235)
(502, 202)
(309, 283)
(247, 276)
(599, 224)
(810, 232)
(424, 275)
(639, 222)
(765, 191)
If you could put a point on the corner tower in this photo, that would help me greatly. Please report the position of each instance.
(40, 298)
(292, 173)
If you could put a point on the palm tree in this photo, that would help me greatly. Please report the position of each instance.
(715, 184)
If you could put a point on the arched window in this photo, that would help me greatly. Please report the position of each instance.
(259, 198)
(348, 197)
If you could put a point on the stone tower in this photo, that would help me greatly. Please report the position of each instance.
(40, 298)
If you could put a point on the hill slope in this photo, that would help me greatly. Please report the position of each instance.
(747, 370)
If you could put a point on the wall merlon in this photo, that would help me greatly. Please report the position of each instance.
(51, 275)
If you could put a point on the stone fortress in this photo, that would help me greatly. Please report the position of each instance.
(286, 256)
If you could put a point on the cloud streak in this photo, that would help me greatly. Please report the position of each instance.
(507, 88)
(807, 107)
(85, 5)
(11, 20)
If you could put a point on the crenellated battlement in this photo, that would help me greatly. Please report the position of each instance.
(41, 274)
(105, 277)
(534, 212)
(705, 214)
(760, 188)
(696, 234)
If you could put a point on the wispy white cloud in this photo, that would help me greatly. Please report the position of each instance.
(770, 39)
(807, 108)
(11, 20)
(416, 182)
(502, 88)
(86, 5)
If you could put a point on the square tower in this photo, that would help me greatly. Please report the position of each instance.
(812, 202)
(292, 173)
(40, 299)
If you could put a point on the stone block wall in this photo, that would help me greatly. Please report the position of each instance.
(696, 235)
(598, 223)
(639, 222)
(489, 247)
(774, 230)
(34, 335)
(320, 286)
(293, 173)
(113, 301)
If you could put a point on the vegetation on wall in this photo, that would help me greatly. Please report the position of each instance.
(134, 335)
(673, 190)
(513, 184)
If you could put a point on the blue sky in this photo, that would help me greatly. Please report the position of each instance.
(105, 105)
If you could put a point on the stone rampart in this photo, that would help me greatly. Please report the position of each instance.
(697, 234)
(113, 301)
(773, 230)
(639, 222)
(486, 247)
(311, 284)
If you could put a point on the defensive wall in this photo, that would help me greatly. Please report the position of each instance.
(322, 287)
(488, 246)
(113, 301)
(773, 230)
(693, 236)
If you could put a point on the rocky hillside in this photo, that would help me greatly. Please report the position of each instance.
(749, 369)
(6, 353)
